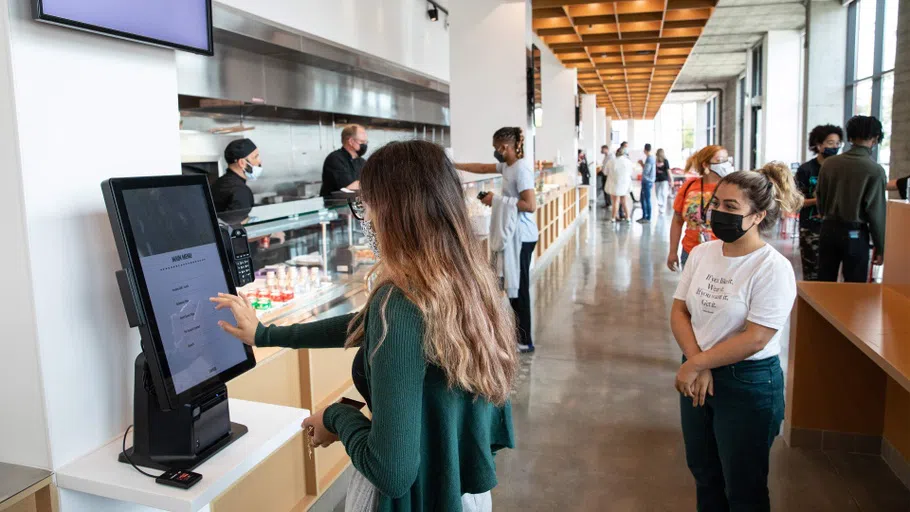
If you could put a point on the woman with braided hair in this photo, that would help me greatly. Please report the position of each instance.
(517, 182)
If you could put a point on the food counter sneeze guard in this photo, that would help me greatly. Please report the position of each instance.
(306, 255)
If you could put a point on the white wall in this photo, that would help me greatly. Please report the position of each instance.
(783, 135)
(395, 30)
(588, 139)
(559, 86)
(23, 427)
(488, 87)
(701, 125)
(827, 57)
(69, 91)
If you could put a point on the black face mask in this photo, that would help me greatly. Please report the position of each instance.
(727, 227)
(498, 156)
(363, 149)
(830, 152)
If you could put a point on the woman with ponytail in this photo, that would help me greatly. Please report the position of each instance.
(711, 163)
(733, 299)
(517, 182)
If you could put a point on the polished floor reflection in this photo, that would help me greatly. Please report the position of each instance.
(595, 411)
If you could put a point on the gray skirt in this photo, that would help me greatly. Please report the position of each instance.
(364, 497)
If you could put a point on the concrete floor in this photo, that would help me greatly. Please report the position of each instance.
(595, 411)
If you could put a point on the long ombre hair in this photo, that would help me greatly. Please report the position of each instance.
(430, 253)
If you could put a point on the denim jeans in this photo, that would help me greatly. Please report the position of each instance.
(646, 199)
(728, 441)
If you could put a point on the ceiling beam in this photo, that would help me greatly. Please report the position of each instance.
(588, 54)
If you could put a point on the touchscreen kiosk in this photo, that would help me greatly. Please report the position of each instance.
(174, 259)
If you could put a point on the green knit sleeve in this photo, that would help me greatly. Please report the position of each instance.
(386, 450)
(328, 333)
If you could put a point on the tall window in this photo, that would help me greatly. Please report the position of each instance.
(712, 121)
(871, 47)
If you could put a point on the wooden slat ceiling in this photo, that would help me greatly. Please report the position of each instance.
(627, 52)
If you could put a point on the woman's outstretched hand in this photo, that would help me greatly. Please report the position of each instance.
(244, 315)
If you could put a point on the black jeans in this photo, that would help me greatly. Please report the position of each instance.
(847, 244)
(522, 304)
(601, 181)
(728, 441)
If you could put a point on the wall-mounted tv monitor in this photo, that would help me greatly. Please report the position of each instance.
(181, 24)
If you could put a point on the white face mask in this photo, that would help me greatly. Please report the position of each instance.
(722, 169)
(253, 172)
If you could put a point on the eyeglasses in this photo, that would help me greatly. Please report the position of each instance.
(357, 208)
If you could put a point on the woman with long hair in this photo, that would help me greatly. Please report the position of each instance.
(690, 206)
(438, 345)
(619, 183)
(518, 183)
(662, 181)
(733, 299)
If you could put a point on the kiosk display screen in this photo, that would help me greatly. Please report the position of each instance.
(169, 239)
(182, 268)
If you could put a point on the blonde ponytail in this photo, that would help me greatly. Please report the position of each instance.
(785, 191)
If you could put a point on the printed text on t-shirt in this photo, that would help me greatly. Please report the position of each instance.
(713, 290)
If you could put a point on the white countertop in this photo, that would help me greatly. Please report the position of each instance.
(99, 473)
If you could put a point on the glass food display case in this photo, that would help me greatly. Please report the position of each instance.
(306, 255)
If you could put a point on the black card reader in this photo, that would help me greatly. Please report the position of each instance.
(235, 240)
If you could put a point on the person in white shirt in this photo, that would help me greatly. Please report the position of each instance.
(733, 299)
(619, 182)
(517, 182)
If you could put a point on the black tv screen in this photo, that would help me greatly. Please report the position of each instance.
(182, 24)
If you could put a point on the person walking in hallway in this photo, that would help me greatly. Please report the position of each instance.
(619, 183)
(438, 345)
(825, 141)
(690, 206)
(733, 299)
(604, 171)
(851, 201)
(648, 176)
(662, 181)
(517, 182)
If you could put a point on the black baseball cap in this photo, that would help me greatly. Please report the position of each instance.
(237, 149)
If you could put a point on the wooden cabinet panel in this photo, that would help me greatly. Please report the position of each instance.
(329, 374)
(278, 483)
(274, 381)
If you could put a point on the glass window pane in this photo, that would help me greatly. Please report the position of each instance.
(862, 98)
(884, 151)
(890, 34)
(865, 38)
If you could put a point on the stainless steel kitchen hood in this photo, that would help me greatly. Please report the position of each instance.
(261, 63)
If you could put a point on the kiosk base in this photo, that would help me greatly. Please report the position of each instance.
(182, 438)
(147, 461)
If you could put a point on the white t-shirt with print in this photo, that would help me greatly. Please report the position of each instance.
(517, 178)
(723, 292)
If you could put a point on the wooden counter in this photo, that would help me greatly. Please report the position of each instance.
(848, 375)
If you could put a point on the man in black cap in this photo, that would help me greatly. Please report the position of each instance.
(230, 191)
(341, 168)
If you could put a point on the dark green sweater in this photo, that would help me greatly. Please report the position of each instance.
(851, 188)
(427, 443)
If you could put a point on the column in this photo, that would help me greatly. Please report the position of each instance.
(488, 86)
(701, 125)
(900, 115)
(587, 139)
(555, 139)
(783, 137)
(826, 59)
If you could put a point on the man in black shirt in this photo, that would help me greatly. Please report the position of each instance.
(342, 167)
(824, 140)
(230, 192)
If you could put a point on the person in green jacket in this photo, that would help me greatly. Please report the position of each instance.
(438, 344)
(850, 198)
